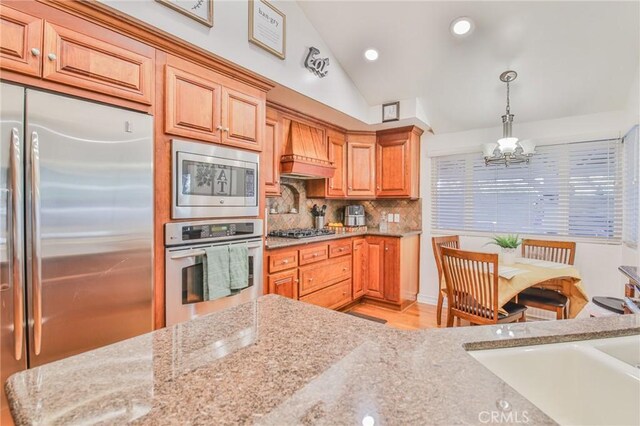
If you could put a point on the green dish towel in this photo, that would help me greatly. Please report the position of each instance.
(239, 266)
(215, 273)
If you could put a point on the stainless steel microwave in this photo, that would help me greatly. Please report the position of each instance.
(210, 181)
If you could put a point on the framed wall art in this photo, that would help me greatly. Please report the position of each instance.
(267, 27)
(198, 10)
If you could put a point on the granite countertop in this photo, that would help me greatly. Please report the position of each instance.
(278, 361)
(278, 242)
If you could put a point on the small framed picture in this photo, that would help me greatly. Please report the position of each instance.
(267, 27)
(391, 111)
(198, 10)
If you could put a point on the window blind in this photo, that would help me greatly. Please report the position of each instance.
(571, 189)
(631, 188)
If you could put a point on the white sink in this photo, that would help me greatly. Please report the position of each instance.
(591, 382)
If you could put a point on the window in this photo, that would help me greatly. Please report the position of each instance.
(631, 188)
(566, 190)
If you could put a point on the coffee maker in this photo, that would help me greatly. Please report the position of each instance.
(354, 215)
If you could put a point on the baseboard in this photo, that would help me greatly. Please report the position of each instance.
(430, 300)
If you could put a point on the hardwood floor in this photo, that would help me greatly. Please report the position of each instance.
(415, 317)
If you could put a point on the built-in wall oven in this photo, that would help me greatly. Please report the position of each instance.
(185, 244)
(213, 181)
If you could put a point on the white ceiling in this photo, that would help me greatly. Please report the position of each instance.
(572, 58)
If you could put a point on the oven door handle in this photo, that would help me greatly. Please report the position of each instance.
(194, 253)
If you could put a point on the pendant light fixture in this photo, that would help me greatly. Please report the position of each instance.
(508, 149)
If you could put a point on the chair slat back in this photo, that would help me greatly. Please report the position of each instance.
(472, 282)
(553, 251)
(451, 241)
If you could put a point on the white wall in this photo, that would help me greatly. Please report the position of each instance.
(631, 256)
(229, 39)
(597, 263)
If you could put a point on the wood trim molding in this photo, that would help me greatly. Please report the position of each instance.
(407, 129)
(115, 20)
(297, 116)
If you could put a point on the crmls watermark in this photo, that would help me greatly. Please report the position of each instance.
(491, 417)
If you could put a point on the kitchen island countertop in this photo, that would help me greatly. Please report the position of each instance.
(278, 361)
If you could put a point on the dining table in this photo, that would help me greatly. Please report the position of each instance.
(525, 273)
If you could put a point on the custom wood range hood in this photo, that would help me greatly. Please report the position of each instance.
(304, 154)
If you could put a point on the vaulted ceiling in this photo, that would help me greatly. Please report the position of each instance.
(572, 58)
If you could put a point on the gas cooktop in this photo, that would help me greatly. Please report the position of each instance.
(300, 233)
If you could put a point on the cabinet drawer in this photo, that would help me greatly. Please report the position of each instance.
(316, 277)
(282, 261)
(331, 297)
(340, 248)
(313, 254)
(81, 61)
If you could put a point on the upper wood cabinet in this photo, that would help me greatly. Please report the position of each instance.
(398, 163)
(192, 107)
(21, 42)
(79, 60)
(270, 166)
(361, 165)
(336, 186)
(202, 104)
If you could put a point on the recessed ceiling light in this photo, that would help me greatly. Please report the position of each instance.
(371, 54)
(461, 26)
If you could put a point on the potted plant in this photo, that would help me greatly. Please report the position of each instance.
(509, 244)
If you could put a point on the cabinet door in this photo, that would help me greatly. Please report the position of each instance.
(374, 286)
(361, 160)
(391, 269)
(21, 42)
(271, 158)
(284, 284)
(360, 267)
(85, 62)
(192, 106)
(337, 150)
(393, 167)
(242, 120)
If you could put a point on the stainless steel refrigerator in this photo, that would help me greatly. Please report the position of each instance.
(76, 224)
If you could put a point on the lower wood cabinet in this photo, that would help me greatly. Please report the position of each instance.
(383, 270)
(284, 284)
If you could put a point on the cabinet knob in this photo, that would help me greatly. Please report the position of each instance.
(344, 269)
(219, 128)
(386, 249)
(277, 181)
(35, 51)
(52, 56)
(350, 188)
(297, 280)
(378, 187)
(344, 293)
(310, 279)
(285, 261)
(226, 129)
(315, 254)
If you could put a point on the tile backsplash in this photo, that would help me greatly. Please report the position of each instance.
(294, 196)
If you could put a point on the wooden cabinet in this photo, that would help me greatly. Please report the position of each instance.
(360, 267)
(200, 104)
(21, 42)
(331, 297)
(284, 284)
(361, 165)
(398, 163)
(337, 153)
(392, 265)
(374, 285)
(192, 103)
(270, 163)
(78, 60)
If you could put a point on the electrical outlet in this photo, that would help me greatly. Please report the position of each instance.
(396, 218)
(390, 218)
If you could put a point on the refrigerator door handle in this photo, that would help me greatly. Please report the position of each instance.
(15, 219)
(36, 258)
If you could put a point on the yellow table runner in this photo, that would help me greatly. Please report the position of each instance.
(566, 280)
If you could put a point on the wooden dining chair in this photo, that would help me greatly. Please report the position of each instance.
(452, 241)
(472, 289)
(540, 297)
